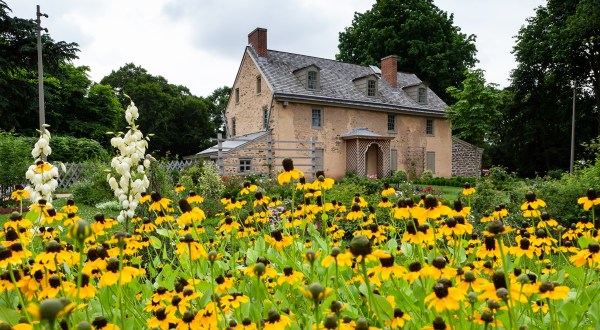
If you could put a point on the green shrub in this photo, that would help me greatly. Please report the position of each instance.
(15, 158)
(210, 185)
(427, 175)
(92, 187)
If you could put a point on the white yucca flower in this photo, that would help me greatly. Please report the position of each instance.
(128, 180)
(42, 175)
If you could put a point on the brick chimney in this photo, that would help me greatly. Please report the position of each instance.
(389, 69)
(258, 40)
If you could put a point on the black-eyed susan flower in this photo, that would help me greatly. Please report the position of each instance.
(444, 297)
(260, 199)
(398, 320)
(290, 276)
(101, 323)
(591, 199)
(248, 188)
(315, 292)
(146, 227)
(160, 203)
(337, 257)
(101, 223)
(234, 300)
(278, 240)
(70, 207)
(438, 269)
(385, 203)
(387, 267)
(162, 320)
(387, 190)
(16, 220)
(553, 291)
(524, 248)
(194, 198)
(355, 213)
(289, 173)
(530, 208)
(589, 256)
(179, 188)
(113, 275)
(86, 291)
(190, 248)
(321, 182)
(468, 190)
(145, 198)
(20, 193)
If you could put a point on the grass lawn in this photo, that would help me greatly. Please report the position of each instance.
(449, 193)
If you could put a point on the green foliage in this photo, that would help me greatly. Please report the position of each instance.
(15, 158)
(552, 49)
(92, 187)
(422, 36)
(476, 112)
(427, 175)
(210, 185)
(181, 122)
(75, 150)
(400, 176)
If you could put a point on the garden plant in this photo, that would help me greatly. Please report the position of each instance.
(263, 261)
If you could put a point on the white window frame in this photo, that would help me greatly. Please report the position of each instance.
(245, 165)
(237, 95)
(233, 128)
(316, 114)
(391, 119)
(422, 95)
(310, 83)
(258, 85)
(371, 87)
(429, 129)
(265, 118)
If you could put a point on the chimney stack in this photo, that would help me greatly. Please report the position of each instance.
(389, 69)
(258, 40)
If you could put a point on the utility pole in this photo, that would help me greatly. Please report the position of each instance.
(40, 67)
(40, 72)
(573, 128)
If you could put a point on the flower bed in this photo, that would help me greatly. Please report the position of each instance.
(265, 263)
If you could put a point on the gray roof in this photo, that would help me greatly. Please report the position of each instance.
(363, 132)
(231, 144)
(337, 87)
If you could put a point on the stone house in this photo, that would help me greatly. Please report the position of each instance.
(366, 120)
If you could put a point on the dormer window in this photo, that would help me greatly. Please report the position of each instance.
(371, 87)
(309, 77)
(367, 85)
(422, 98)
(312, 80)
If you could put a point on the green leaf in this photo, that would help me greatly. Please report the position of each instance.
(383, 307)
(155, 242)
(9, 315)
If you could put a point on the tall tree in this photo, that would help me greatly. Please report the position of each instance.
(218, 101)
(423, 36)
(181, 122)
(18, 69)
(551, 56)
(477, 109)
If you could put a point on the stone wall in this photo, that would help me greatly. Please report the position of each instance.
(466, 159)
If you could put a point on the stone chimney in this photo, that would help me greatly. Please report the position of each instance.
(258, 40)
(389, 69)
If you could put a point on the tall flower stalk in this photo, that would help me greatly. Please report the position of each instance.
(128, 179)
(41, 174)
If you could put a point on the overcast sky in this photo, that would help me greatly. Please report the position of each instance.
(199, 43)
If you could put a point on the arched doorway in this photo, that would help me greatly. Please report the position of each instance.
(371, 160)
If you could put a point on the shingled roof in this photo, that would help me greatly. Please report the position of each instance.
(337, 87)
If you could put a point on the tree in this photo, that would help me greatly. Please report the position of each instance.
(18, 69)
(218, 102)
(552, 53)
(423, 36)
(181, 122)
(477, 109)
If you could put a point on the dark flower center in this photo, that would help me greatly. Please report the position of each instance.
(441, 290)
(387, 262)
(156, 197)
(414, 266)
(524, 244)
(490, 243)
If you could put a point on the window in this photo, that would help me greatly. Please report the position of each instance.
(431, 161)
(312, 82)
(429, 127)
(245, 165)
(317, 118)
(233, 126)
(391, 123)
(265, 118)
(237, 95)
(422, 95)
(258, 85)
(371, 87)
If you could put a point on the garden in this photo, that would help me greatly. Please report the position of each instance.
(139, 247)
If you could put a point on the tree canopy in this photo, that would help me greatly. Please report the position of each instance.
(181, 122)
(423, 37)
(556, 48)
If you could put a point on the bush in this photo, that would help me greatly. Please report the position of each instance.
(92, 187)
(15, 158)
(427, 175)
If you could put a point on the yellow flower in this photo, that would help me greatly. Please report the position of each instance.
(468, 190)
(590, 200)
(444, 298)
